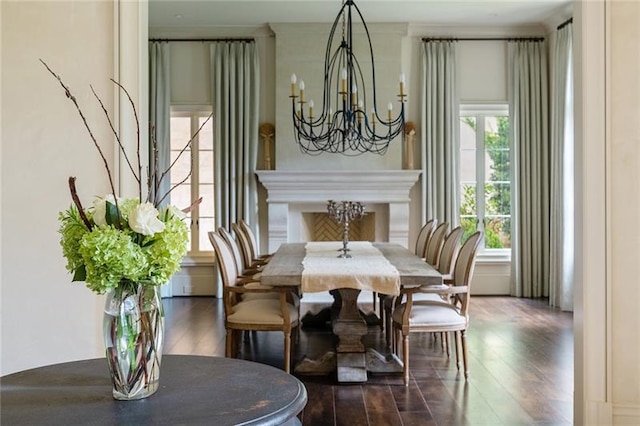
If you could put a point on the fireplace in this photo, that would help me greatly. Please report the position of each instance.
(293, 194)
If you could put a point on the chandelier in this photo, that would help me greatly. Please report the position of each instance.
(344, 124)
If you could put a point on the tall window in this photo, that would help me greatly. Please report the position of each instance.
(485, 203)
(185, 122)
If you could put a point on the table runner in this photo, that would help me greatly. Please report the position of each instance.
(367, 269)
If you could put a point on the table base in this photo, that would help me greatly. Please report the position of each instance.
(350, 361)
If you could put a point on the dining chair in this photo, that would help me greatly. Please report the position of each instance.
(253, 241)
(424, 235)
(243, 269)
(440, 316)
(251, 314)
(449, 253)
(245, 248)
(434, 245)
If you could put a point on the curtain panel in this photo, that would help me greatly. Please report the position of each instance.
(236, 72)
(562, 230)
(440, 129)
(528, 112)
(160, 115)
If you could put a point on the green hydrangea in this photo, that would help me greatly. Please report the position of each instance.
(72, 230)
(168, 248)
(105, 257)
(110, 256)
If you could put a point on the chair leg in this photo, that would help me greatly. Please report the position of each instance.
(463, 338)
(405, 359)
(445, 342)
(287, 351)
(456, 336)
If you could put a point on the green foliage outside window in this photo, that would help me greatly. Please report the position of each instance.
(497, 190)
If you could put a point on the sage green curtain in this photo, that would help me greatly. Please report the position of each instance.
(236, 88)
(528, 114)
(562, 231)
(440, 130)
(160, 115)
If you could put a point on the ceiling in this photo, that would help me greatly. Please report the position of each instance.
(186, 13)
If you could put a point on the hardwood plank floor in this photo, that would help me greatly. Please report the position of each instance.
(521, 367)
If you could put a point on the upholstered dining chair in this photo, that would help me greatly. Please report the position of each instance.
(434, 245)
(451, 315)
(423, 237)
(243, 269)
(449, 253)
(245, 248)
(251, 314)
(253, 242)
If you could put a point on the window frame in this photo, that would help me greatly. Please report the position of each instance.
(479, 111)
(195, 113)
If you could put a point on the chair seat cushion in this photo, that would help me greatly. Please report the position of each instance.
(431, 314)
(261, 311)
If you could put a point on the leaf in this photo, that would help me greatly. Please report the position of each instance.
(80, 274)
(112, 215)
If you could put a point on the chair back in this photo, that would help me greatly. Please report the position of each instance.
(450, 249)
(227, 267)
(465, 265)
(434, 246)
(253, 241)
(233, 244)
(423, 237)
(244, 244)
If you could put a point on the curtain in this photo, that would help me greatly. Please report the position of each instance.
(160, 114)
(235, 70)
(561, 252)
(530, 159)
(440, 124)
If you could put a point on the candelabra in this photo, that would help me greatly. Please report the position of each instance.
(344, 213)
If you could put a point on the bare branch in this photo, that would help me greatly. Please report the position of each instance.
(73, 99)
(135, 114)
(192, 206)
(76, 201)
(174, 187)
(115, 133)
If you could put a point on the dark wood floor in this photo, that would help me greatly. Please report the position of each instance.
(521, 367)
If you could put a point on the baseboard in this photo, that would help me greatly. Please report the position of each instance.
(626, 414)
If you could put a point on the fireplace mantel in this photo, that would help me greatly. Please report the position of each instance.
(289, 193)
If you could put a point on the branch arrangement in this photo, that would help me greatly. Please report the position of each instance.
(154, 177)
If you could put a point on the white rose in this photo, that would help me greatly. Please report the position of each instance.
(144, 220)
(100, 209)
(177, 212)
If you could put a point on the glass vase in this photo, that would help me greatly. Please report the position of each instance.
(133, 333)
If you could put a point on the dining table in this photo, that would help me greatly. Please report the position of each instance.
(379, 267)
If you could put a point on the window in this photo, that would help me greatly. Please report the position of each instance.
(185, 121)
(485, 191)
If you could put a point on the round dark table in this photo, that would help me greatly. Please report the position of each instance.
(194, 390)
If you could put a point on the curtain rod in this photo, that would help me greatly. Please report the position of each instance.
(482, 39)
(204, 40)
(565, 23)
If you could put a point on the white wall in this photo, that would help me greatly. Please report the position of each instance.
(624, 190)
(45, 318)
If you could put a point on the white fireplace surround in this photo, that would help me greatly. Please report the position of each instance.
(290, 194)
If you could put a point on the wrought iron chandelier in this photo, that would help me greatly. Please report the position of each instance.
(343, 125)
